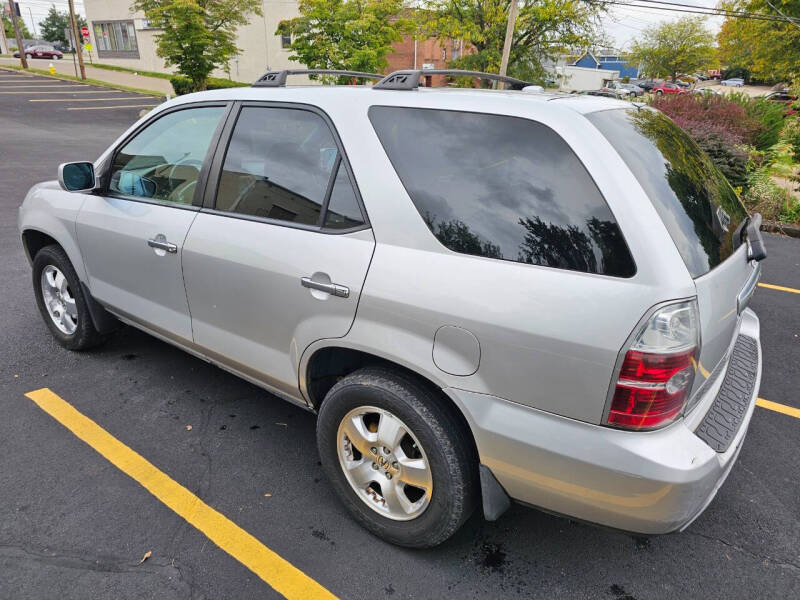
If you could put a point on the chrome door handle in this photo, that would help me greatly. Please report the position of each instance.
(162, 244)
(333, 289)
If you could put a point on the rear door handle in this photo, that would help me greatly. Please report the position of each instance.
(333, 289)
(160, 243)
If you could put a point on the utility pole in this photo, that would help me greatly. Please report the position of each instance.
(20, 47)
(76, 35)
(512, 21)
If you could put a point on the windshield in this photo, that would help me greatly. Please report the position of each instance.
(694, 200)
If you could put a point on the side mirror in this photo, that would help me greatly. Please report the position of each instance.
(76, 176)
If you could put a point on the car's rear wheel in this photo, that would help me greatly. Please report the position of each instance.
(659, 93)
(61, 301)
(28, 56)
(57, 57)
(398, 458)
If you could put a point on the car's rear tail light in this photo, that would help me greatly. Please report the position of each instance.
(658, 369)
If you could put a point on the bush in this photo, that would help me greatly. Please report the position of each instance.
(728, 158)
(768, 114)
(183, 85)
(791, 134)
(709, 115)
(771, 200)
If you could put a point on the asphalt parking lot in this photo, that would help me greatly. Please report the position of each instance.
(74, 525)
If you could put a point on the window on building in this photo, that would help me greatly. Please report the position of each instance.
(115, 37)
(286, 40)
(444, 53)
(279, 165)
(502, 187)
(454, 53)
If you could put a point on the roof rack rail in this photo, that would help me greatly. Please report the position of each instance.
(278, 78)
(409, 79)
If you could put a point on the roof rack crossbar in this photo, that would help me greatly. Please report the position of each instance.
(278, 78)
(409, 79)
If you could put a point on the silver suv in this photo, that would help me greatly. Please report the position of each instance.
(484, 295)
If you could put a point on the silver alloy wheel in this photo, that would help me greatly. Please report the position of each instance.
(59, 300)
(384, 463)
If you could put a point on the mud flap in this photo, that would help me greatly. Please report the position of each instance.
(103, 321)
(495, 499)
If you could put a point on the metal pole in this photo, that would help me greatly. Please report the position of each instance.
(76, 33)
(512, 21)
(20, 47)
(6, 49)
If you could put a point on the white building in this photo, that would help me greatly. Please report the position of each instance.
(124, 38)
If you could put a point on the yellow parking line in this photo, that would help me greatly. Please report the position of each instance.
(81, 99)
(780, 288)
(781, 408)
(115, 106)
(284, 577)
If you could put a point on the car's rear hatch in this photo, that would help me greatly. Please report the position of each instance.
(702, 214)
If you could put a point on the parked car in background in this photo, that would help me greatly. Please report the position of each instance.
(634, 89)
(41, 52)
(667, 88)
(780, 96)
(733, 82)
(647, 84)
(617, 87)
(707, 91)
(714, 74)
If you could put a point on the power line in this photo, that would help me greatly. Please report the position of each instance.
(700, 10)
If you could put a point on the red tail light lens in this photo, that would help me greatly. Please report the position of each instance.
(657, 373)
(651, 389)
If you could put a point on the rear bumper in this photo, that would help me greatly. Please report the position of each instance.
(647, 482)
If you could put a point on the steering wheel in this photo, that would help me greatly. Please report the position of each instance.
(183, 162)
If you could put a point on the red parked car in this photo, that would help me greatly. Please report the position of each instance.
(41, 52)
(667, 88)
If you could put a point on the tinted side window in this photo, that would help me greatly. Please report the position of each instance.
(502, 187)
(343, 209)
(163, 161)
(278, 165)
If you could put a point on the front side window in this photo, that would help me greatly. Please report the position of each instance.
(163, 161)
(282, 164)
(502, 187)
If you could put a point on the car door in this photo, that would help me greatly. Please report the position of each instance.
(131, 235)
(278, 257)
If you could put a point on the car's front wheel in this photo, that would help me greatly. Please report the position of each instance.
(61, 301)
(397, 457)
(28, 56)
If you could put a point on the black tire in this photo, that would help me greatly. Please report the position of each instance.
(85, 335)
(448, 447)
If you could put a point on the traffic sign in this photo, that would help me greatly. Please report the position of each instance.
(85, 32)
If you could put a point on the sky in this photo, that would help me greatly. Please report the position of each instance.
(623, 24)
(37, 9)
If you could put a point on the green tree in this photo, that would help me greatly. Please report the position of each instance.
(55, 23)
(351, 35)
(666, 50)
(9, 28)
(197, 36)
(544, 29)
(770, 50)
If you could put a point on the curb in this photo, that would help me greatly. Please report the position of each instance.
(781, 228)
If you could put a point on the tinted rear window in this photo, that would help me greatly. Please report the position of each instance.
(695, 201)
(502, 187)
